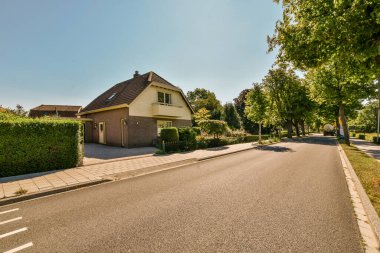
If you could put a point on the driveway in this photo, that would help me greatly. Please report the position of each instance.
(289, 197)
(97, 153)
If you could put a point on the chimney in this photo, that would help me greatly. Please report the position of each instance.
(136, 74)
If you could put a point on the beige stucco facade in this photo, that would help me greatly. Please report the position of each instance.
(146, 104)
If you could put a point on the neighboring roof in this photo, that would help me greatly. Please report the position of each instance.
(125, 92)
(61, 108)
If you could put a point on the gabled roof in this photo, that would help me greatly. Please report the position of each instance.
(125, 92)
(61, 108)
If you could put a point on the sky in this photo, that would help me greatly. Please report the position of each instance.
(70, 51)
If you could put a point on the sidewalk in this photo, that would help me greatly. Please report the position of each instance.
(370, 148)
(47, 181)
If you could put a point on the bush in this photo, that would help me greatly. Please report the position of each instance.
(376, 140)
(169, 134)
(187, 138)
(362, 136)
(214, 127)
(353, 134)
(37, 145)
(197, 130)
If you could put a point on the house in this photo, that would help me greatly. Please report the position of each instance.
(132, 113)
(66, 111)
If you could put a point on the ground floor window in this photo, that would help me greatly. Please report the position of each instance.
(162, 124)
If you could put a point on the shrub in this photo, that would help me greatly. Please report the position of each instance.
(376, 140)
(169, 134)
(197, 130)
(37, 145)
(353, 134)
(214, 127)
(362, 136)
(187, 138)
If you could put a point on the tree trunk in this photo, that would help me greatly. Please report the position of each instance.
(297, 128)
(303, 128)
(344, 124)
(260, 132)
(378, 113)
(289, 128)
(337, 124)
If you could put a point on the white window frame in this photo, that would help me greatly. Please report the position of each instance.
(169, 102)
(162, 124)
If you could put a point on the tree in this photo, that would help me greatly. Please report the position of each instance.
(240, 105)
(231, 116)
(334, 86)
(202, 98)
(19, 110)
(316, 33)
(289, 103)
(256, 105)
(367, 117)
(201, 115)
(214, 127)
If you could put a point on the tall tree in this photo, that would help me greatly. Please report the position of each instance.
(256, 105)
(202, 98)
(288, 99)
(231, 116)
(347, 32)
(240, 105)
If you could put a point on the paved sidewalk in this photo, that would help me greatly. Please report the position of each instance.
(368, 147)
(51, 180)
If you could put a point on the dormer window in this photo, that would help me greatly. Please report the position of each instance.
(164, 98)
(111, 97)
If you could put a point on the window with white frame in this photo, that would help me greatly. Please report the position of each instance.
(162, 124)
(164, 98)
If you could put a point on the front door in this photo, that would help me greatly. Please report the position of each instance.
(102, 132)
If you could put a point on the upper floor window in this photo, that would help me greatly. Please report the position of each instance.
(164, 98)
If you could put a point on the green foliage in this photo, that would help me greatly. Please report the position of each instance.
(214, 127)
(256, 104)
(367, 117)
(188, 138)
(202, 98)
(231, 116)
(201, 115)
(376, 140)
(197, 130)
(36, 145)
(361, 136)
(248, 125)
(169, 134)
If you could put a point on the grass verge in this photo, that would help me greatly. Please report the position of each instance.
(368, 171)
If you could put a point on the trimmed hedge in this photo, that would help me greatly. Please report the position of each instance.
(376, 140)
(37, 145)
(188, 138)
(197, 130)
(169, 134)
(361, 136)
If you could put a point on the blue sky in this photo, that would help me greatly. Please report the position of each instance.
(69, 51)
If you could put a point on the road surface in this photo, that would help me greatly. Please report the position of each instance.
(289, 197)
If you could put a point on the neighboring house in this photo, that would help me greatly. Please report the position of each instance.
(66, 111)
(132, 113)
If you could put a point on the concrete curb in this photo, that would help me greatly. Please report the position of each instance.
(12, 200)
(367, 218)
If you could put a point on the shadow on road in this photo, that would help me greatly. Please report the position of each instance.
(274, 148)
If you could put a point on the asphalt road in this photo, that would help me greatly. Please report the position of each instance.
(289, 197)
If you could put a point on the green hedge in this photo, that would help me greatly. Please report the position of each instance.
(169, 134)
(37, 145)
(188, 138)
(376, 140)
(197, 130)
(361, 136)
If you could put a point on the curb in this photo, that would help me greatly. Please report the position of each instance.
(366, 216)
(12, 200)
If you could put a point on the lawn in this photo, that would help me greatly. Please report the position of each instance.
(368, 171)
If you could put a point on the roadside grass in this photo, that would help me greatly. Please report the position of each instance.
(368, 136)
(368, 171)
(21, 191)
